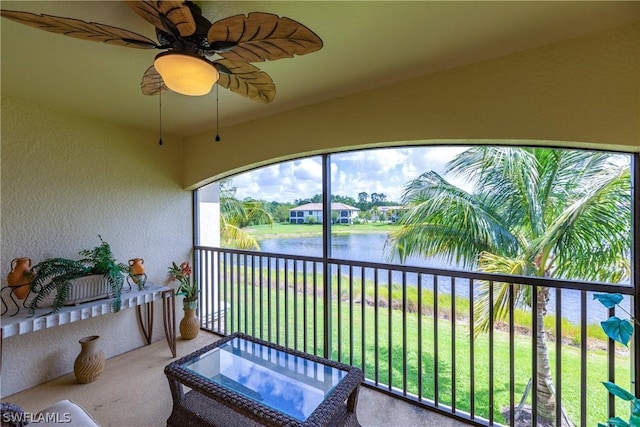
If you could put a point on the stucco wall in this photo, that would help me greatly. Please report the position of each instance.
(583, 93)
(65, 180)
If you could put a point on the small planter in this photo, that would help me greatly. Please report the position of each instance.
(88, 288)
(53, 273)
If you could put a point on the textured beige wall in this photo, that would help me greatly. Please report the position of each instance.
(65, 179)
(584, 91)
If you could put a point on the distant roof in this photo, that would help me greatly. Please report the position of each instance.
(318, 207)
(391, 208)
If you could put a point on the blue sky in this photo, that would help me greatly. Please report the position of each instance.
(384, 170)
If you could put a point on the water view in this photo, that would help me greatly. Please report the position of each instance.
(370, 247)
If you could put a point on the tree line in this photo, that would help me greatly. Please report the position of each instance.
(279, 211)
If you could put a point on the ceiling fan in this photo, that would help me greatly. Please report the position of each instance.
(197, 53)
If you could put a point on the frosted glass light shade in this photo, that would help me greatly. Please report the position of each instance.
(186, 74)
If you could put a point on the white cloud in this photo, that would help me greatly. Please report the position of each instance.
(309, 169)
(384, 171)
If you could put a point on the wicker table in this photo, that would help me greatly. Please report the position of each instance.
(243, 381)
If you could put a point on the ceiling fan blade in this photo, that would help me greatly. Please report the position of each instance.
(263, 36)
(80, 29)
(168, 16)
(246, 80)
(152, 83)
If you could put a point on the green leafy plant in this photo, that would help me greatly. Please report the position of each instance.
(188, 288)
(54, 275)
(619, 330)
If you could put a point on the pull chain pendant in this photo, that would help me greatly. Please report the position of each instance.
(160, 108)
(217, 115)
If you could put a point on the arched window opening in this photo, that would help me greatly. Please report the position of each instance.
(420, 264)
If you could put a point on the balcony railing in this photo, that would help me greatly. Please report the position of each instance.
(412, 331)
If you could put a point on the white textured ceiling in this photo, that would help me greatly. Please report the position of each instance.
(367, 44)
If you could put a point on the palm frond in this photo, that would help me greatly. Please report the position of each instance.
(235, 214)
(591, 237)
(447, 220)
(509, 177)
(232, 210)
(255, 213)
(492, 263)
(533, 212)
(237, 238)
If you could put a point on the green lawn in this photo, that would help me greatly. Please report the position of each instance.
(279, 322)
(285, 230)
(406, 364)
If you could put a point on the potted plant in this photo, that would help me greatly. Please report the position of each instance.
(190, 324)
(55, 275)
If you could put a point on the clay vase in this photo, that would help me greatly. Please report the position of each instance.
(136, 273)
(190, 324)
(136, 266)
(90, 362)
(20, 276)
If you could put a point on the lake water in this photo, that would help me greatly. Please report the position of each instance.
(370, 247)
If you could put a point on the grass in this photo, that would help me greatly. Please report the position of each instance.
(387, 334)
(522, 318)
(415, 371)
(286, 230)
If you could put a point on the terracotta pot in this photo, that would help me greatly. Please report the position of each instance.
(136, 266)
(90, 362)
(20, 276)
(189, 325)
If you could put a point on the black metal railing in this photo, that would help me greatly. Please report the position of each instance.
(413, 331)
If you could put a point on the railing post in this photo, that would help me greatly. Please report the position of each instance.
(326, 252)
(438, 396)
(635, 271)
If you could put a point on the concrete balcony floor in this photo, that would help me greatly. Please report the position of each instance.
(133, 391)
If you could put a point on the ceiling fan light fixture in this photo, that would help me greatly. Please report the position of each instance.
(185, 73)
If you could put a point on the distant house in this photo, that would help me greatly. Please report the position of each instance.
(389, 212)
(301, 214)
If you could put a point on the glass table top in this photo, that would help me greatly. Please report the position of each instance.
(285, 382)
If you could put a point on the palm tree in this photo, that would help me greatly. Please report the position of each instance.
(235, 214)
(534, 212)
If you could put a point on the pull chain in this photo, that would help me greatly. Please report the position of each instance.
(160, 140)
(217, 115)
